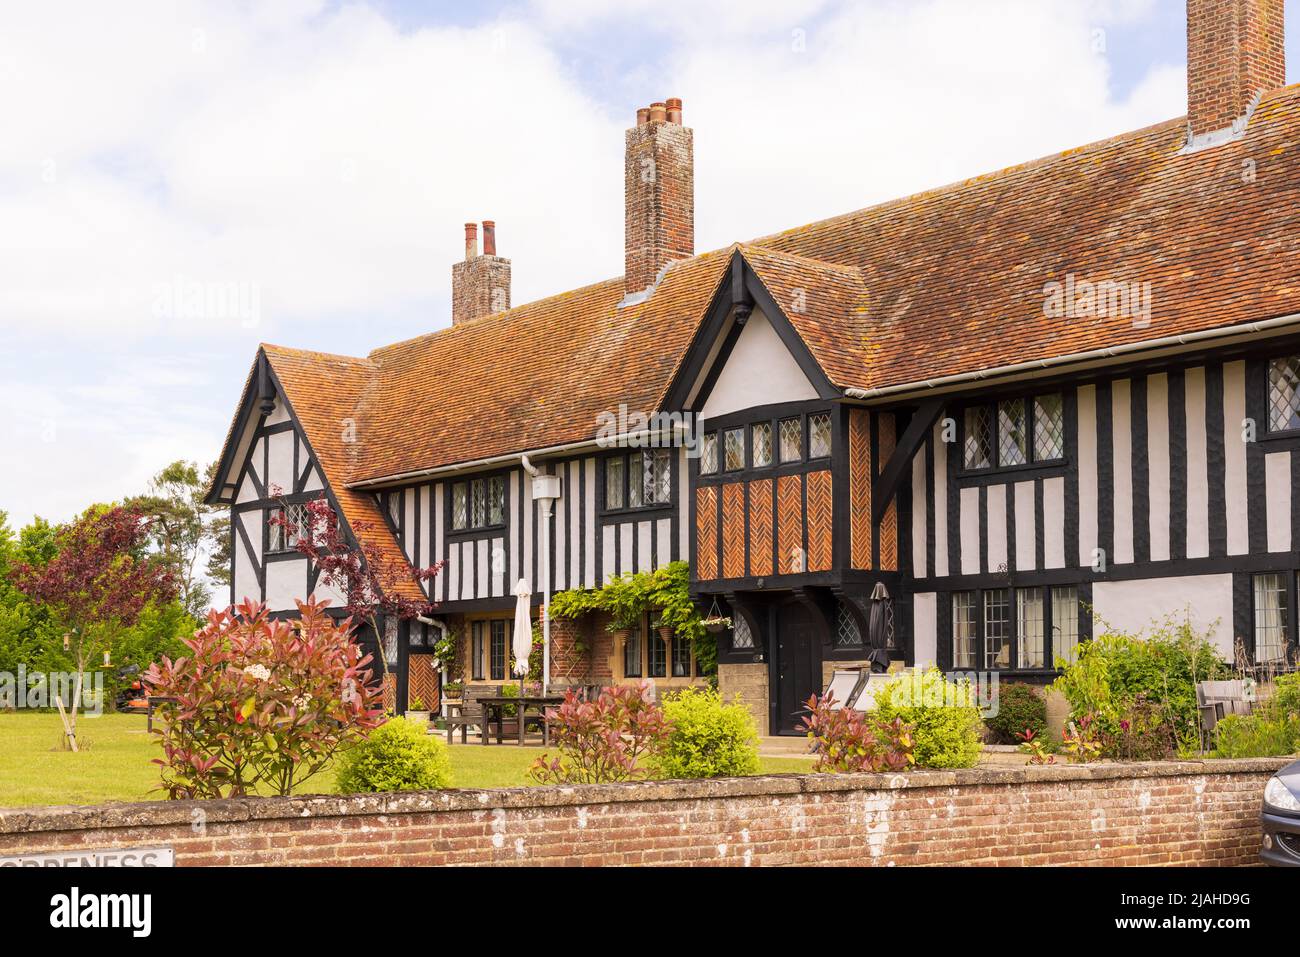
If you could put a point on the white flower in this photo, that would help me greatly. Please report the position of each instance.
(260, 672)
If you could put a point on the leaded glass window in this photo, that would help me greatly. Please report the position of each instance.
(476, 649)
(1271, 621)
(964, 632)
(1049, 427)
(459, 505)
(1029, 618)
(819, 435)
(614, 483)
(709, 454)
(285, 538)
(847, 632)
(979, 437)
(496, 500)
(734, 440)
(659, 475)
(636, 481)
(791, 437)
(997, 629)
(1012, 447)
(761, 440)
(1284, 394)
(477, 503)
(742, 639)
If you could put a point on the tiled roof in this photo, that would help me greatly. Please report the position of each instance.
(944, 282)
(955, 276)
(325, 391)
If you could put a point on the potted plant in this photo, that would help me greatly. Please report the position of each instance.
(666, 631)
(416, 711)
(452, 691)
(715, 624)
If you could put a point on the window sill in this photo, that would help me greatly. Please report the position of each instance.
(634, 512)
(1012, 470)
(486, 530)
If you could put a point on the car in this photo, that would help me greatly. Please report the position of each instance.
(1281, 818)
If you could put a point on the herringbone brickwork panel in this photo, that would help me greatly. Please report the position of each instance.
(422, 683)
(860, 477)
(760, 527)
(733, 530)
(789, 524)
(820, 522)
(889, 523)
(706, 533)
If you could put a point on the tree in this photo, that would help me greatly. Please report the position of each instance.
(183, 529)
(369, 577)
(95, 585)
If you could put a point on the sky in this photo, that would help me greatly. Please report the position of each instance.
(181, 180)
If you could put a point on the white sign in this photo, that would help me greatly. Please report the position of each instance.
(110, 857)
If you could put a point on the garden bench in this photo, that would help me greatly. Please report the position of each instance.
(1217, 699)
(469, 710)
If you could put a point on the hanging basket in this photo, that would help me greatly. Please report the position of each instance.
(666, 632)
(715, 623)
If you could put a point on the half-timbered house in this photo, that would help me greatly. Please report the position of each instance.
(960, 427)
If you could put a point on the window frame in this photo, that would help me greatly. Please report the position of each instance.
(979, 596)
(287, 548)
(1269, 431)
(992, 407)
(483, 482)
(624, 456)
(1291, 630)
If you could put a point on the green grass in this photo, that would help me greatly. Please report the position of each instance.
(114, 763)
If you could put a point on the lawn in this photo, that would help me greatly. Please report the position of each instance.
(113, 764)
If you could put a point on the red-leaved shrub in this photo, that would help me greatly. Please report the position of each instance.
(848, 740)
(260, 701)
(604, 740)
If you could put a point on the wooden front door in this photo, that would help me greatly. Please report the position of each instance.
(798, 666)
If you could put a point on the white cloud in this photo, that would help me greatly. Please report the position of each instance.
(323, 161)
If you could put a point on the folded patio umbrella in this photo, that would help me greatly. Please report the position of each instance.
(876, 625)
(523, 640)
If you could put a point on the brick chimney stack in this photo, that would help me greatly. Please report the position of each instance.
(659, 194)
(1235, 52)
(480, 285)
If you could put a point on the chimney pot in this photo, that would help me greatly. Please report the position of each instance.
(643, 116)
(489, 238)
(674, 105)
(471, 240)
(658, 113)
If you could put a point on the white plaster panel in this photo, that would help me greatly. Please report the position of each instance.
(759, 371)
(1134, 606)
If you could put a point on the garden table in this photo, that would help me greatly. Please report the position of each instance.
(494, 708)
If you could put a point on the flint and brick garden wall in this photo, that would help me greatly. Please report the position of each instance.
(1158, 813)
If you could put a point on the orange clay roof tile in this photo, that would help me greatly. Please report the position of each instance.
(943, 282)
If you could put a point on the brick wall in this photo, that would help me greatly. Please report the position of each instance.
(659, 194)
(1235, 50)
(1159, 813)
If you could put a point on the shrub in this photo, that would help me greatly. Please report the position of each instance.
(399, 755)
(261, 702)
(847, 740)
(1021, 708)
(604, 740)
(1114, 671)
(1272, 730)
(946, 724)
(710, 738)
(1145, 733)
